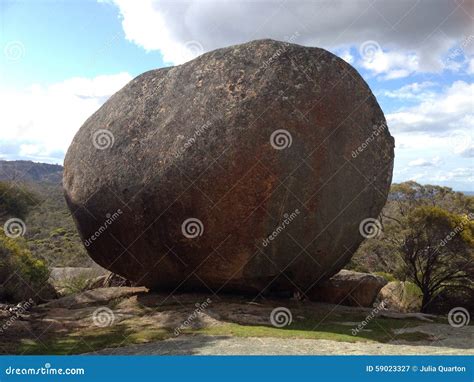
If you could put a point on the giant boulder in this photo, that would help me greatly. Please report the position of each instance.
(249, 169)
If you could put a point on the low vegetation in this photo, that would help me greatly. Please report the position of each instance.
(15, 201)
(50, 232)
(22, 275)
(427, 238)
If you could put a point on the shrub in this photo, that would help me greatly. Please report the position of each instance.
(22, 276)
(75, 285)
(15, 201)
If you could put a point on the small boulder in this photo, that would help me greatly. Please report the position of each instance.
(99, 296)
(401, 296)
(349, 288)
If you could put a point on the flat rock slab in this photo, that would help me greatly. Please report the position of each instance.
(222, 345)
(93, 297)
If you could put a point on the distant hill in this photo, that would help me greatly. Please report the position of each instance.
(51, 234)
(28, 171)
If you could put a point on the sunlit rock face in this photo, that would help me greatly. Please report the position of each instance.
(249, 169)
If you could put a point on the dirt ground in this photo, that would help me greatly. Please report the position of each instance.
(123, 320)
(222, 345)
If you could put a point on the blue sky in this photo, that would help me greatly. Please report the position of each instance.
(68, 39)
(61, 60)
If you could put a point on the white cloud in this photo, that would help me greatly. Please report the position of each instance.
(40, 122)
(415, 90)
(414, 34)
(392, 64)
(421, 162)
(467, 152)
(417, 177)
(470, 68)
(451, 110)
(439, 125)
(460, 178)
(464, 174)
(462, 142)
(146, 23)
(347, 56)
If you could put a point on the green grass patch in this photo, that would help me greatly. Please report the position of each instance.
(333, 327)
(236, 330)
(377, 330)
(415, 336)
(92, 340)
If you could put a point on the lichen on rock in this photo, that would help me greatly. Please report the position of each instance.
(208, 159)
